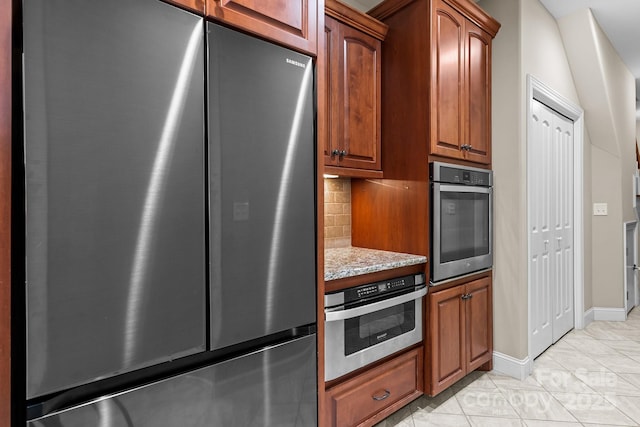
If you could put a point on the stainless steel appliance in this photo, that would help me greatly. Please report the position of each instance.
(261, 188)
(170, 220)
(369, 322)
(461, 220)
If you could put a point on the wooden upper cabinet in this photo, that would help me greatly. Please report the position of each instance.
(448, 82)
(478, 94)
(351, 91)
(290, 22)
(196, 6)
(460, 86)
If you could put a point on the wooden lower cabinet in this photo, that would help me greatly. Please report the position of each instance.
(460, 337)
(370, 397)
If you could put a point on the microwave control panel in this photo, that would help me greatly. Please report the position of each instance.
(383, 287)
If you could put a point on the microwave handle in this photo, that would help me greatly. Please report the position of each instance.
(332, 316)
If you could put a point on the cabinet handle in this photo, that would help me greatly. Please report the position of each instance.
(467, 296)
(386, 394)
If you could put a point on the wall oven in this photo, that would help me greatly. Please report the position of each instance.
(368, 322)
(461, 220)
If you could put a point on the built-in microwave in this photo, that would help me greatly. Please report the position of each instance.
(367, 323)
(461, 220)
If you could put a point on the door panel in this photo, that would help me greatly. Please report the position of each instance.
(447, 125)
(479, 332)
(262, 188)
(272, 387)
(289, 22)
(361, 91)
(447, 321)
(540, 216)
(563, 232)
(114, 142)
(329, 88)
(551, 220)
(478, 93)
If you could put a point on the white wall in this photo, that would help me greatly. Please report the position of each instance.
(607, 92)
(574, 58)
(508, 151)
(529, 42)
(607, 252)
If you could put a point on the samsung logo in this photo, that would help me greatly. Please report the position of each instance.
(296, 63)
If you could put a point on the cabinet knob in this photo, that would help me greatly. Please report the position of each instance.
(335, 153)
(343, 153)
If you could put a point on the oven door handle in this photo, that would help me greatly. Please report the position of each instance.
(461, 188)
(332, 316)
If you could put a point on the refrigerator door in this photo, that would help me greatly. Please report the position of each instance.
(114, 148)
(272, 387)
(262, 187)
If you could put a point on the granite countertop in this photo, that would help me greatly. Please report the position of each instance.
(351, 261)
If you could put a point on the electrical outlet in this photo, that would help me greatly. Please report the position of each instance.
(600, 209)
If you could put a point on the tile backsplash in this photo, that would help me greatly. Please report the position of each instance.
(337, 212)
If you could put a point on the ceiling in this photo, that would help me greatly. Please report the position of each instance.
(619, 21)
(617, 18)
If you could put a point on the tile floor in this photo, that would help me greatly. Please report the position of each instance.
(591, 377)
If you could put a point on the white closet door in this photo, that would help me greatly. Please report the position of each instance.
(562, 153)
(551, 226)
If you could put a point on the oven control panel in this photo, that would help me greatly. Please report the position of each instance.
(455, 174)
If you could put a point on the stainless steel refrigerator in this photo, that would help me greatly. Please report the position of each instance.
(169, 220)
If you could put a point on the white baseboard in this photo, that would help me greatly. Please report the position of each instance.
(516, 368)
(610, 314)
(589, 316)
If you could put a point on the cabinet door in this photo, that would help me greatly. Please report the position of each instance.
(352, 70)
(447, 328)
(447, 82)
(360, 88)
(196, 6)
(290, 22)
(478, 91)
(328, 91)
(479, 319)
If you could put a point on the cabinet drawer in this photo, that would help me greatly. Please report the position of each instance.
(378, 391)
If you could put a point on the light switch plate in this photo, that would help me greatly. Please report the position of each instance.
(600, 209)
